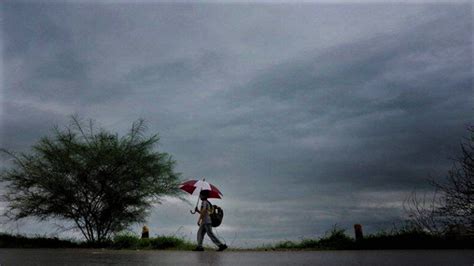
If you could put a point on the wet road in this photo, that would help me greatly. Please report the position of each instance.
(273, 258)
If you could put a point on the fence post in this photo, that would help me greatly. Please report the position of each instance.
(145, 232)
(358, 232)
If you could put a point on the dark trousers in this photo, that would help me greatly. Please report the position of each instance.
(207, 228)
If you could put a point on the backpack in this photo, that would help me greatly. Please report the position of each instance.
(216, 214)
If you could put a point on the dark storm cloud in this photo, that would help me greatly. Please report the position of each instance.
(304, 115)
(27, 124)
(50, 60)
(386, 106)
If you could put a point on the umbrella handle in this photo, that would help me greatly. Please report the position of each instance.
(194, 211)
(197, 202)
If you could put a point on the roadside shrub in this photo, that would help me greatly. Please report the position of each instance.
(309, 243)
(144, 243)
(126, 241)
(336, 239)
(286, 245)
(165, 242)
(405, 238)
(19, 241)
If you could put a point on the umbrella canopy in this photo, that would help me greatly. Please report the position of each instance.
(194, 187)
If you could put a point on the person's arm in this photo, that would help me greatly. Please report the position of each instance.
(202, 213)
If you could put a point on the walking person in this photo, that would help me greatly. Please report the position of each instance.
(205, 223)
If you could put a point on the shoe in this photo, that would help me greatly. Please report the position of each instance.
(222, 247)
(198, 249)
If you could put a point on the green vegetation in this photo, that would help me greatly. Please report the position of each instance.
(413, 239)
(336, 239)
(100, 182)
(18, 241)
(131, 241)
(406, 238)
(120, 241)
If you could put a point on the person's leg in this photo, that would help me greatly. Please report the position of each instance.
(200, 234)
(212, 236)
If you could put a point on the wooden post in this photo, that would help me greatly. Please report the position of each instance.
(358, 232)
(145, 232)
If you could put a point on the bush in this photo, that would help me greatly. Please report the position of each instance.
(144, 243)
(19, 241)
(309, 243)
(405, 238)
(336, 239)
(286, 245)
(169, 242)
(131, 241)
(126, 241)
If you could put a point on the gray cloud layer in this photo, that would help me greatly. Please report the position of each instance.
(305, 115)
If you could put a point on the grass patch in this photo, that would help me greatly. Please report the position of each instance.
(19, 241)
(121, 241)
(126, 241)
(334, 239)
(405, 238)
(131, 241)
(413, 239)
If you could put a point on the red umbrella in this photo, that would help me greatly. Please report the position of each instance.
(194, 187)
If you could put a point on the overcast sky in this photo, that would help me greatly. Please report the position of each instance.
(304, 115)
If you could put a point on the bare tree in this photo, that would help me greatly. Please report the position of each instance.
(422, 212)
(452, 202)
(457, 191)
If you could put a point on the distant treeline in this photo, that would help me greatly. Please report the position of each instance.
(121, 241)
(336, 239)
(19, 241)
